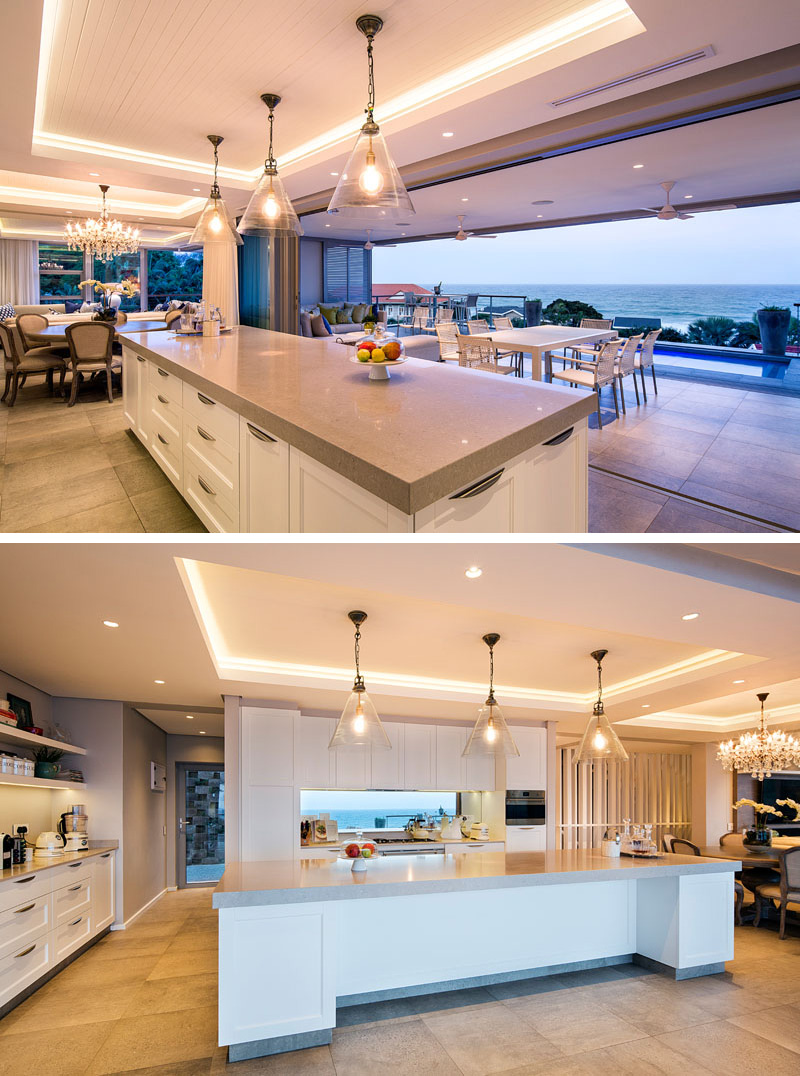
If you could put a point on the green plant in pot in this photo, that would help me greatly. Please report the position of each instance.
(48, 761)
(773, 325)
(759, 835)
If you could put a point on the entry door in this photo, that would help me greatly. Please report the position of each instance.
(200, 805)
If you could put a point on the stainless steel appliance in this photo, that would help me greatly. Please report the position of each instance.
(525, 807)
(407, 846)
(73, 827)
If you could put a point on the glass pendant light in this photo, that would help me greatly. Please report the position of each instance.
(214, 224)
(269, 211)
(359, 723)
(490, 736)
(599, 740)
(370, 181)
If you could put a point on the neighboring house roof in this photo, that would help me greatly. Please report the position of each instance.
(387, 290)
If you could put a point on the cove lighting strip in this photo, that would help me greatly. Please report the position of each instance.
(65, 199)
(10, 232)
(592, 17)
(261, 670)
(673, 719)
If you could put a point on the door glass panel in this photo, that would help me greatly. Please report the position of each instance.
(204, 826)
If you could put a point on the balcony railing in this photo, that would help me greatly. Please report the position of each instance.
(464, 307)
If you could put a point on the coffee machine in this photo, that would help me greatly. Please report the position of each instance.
(73, 827)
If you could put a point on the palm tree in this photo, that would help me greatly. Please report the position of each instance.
(712, 330)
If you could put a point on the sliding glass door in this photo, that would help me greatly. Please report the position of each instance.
(200, 804)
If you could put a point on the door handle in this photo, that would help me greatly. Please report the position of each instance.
(478, 487)
(205, 486)
(72, 866)
(105, 855)
(180, 826)
(163, 440)
(74, 888)
(560, 437)
(139, 358)
(256, 432)
(27, 908)
(204, 435)
(162, 372)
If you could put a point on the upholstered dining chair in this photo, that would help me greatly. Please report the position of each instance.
(479, 353)
(30, 326)
(448, 342)
(18, 364)
(787, 889)
(91, 351)
(594, 375)
(750, 877)
(645, 359)
(682, 847)
(666, 841)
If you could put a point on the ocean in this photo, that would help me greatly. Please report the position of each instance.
(676, 304)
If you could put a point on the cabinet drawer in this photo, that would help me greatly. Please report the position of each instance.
(209, 452)
(214, 417)
(21, 890)
(71, 934)
(165, 400)
(24, 966)
(164, 381)
(22, 925)
(208, 498)
(71, 901)
(485, 505)
(80, 870)
(164, 442)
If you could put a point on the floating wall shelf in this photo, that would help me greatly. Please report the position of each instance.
(37, 782)
(10, 734)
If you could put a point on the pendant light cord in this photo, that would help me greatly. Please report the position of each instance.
(270, 163)
(491, 670)
(215, 186)
(359, 681)
(598, 706)
(371, 80)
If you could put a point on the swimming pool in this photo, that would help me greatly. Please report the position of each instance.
(719, 360)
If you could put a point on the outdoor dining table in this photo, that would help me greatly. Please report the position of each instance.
(539, 341)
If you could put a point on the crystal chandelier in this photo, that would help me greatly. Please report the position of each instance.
(104, 238)
(761, 752)
(599, 740)
(491, 735)
(359, 724)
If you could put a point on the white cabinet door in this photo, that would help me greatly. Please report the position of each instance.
(103, 891)
(352, 766)
(322, 500)
(268, 746)
(387, 766)
(134, 393)
(451, 768)
(314, 761)
(526, 838)
(419, 756)
(530, 769)
(480, 774)
(264, 481)
(555, 493)
(485, 505)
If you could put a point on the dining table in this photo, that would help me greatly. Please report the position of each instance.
(56, 334)
(768, 857)
(540, 341)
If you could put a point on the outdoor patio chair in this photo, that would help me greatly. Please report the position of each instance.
(645, 359)
(91, 351)
(444, 314)
(479, 353)
(502, 324)
(19, 363)
(625, 366)
(588, 323)
(787, 889)
(448, 343)
(419, 321)
(477, 325)
(595, 375)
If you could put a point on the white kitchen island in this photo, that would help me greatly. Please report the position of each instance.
(299, 938)
(266, 432)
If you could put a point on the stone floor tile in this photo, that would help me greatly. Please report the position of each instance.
(60, 469)
(176, 964)
(574, 1024)
(36, 444)
(403, 1049)
(123, 447)
(676, 462)
(163, 510)
(140, 476)
(489, 1039)
(53, 1051)
(316, 1061)
(67, 1006)
(683, 517)
(616, 506)
(780, 1025)
(92, 973)
(157, 1039)
(172, 994)
(726, 1049)
(690, 404)
(32, 508)
(199, 1067)
(119, 517)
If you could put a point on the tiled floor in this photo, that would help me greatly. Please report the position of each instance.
(79, 470)
(143, 1003)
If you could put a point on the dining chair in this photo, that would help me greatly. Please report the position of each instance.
(681, 847)
(91, 351)
(448, 342)
(787, 889)
(30, 327)
(588, 323)
(444, 314)
(19, 363)
(477, 325)
(419, 322)
(503, 324)
(625, 366)
(479, 353)
(666, 842)
(594, 375)
(738, 901)
(645, 359)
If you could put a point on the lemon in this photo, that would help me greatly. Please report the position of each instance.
(362, 355)
(378, 354)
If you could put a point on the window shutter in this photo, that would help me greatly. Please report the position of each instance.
(355, 275)
(335, 273)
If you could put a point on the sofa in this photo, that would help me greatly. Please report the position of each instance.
(340, 318)
(56, 313)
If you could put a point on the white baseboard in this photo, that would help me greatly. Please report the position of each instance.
(172, 889)
(127, 923)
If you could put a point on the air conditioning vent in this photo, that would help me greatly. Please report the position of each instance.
(647, 72)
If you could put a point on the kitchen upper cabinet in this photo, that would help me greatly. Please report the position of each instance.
(387, 766)
(268, 746)
(352, 765)
(314, 762)
(420, 756)
(451, 767)
(480, 773)
(530, 769)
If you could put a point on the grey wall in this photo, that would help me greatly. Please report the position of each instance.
(144, 812)
(208, 750)
(35, 808)
(41, 702)
(310, 272)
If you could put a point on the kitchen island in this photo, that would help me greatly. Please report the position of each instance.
(267, 432)
(300, 937)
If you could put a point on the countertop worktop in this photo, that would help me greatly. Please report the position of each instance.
(23, 869)
(297, 881)
(420, 436)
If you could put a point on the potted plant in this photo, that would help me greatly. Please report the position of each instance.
(533, 311)
(437, 288)
(47, 762)
(773, 325)
(128, 288)
(759, 835)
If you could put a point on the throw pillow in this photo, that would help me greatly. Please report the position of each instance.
(359, 312)
(347, 310)
(305, 325)
(330, 313)
(176, 304)
(320, 326)
(90, 308)
(71, 308)
(342, 317)
(6, 311)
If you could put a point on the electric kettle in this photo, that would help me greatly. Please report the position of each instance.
(49, 844)
(451, 830)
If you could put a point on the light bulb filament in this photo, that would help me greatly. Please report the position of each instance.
(371, 179)
(271, 207)
(358, 720)
(491, 731)
(599, 742)
(215, 224)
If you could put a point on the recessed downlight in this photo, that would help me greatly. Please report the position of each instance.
(465, 199)
(94, 175)
(645, 705)
(688, 196)
(638, 166)
(690, 616)
(447, 134)
(738, 681)
(196, 190)
(200, 732)
(334, 173)
(190, 717)
(473, 572)
(538, 216)
(159, 681)
(111, 623)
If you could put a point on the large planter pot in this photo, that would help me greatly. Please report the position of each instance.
(533, 311)
(774, 328)
(757, 838)
(47, 769)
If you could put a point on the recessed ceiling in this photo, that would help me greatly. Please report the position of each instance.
(194, 721)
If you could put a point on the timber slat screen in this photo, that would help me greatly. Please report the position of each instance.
(651, 787)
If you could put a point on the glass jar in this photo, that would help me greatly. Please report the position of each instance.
(6, 764)
(30, 767)
(19, 766)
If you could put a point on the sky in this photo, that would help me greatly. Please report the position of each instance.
(312, 801)
(740, 246)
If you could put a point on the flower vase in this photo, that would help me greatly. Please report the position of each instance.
(757, 837)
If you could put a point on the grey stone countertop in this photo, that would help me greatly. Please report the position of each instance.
(431, 429)
(97, 848)
(297, 881)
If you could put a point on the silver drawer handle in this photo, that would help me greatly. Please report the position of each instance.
(25, 951)
(205, 486)
(478, 487)
(139, 358)
(76, 921)
(75, 888)
(256, 432)
(163, 440)
(561, 437)
(105, 855)
(21, 881)
(205, 400)
(27, 908)
(204, 435)
(162, 372)
(72, 866)
(162, 399)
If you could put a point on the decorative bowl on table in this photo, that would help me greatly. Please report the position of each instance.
(379, 350)
(358, 852)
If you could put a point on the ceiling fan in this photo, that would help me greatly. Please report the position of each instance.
(461, 234)
(670, 212)
(369, 244)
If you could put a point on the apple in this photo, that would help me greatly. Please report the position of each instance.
(367, 345)
(366, 852)
(353, 851)
(371, 847)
